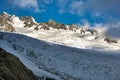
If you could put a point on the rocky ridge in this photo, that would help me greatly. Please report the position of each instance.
(9, 23)
(11, 68)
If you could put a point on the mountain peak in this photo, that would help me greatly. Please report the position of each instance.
(5, 13)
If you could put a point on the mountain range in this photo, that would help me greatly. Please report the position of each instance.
(60, 51)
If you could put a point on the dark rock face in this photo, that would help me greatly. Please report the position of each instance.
(4, 16)
(12, 69)
(61, 26)
(73, 27)
(45, 26)
(57, 26)
(9, 27)
(92, 31)
(110, 40)
(51, 23)
(28, 21)
(5, 20)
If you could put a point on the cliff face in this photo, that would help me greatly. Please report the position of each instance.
(12, 69)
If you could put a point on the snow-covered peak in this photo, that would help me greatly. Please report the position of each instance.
(4, 16)
(5, 13)
(33, 20)
(17, 22)
(29, 21)
(57, 32)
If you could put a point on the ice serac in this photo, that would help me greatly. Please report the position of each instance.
(11, 68)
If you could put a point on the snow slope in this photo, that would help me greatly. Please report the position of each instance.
(63, 54)
(17, 22)
(69, 63)
(71, 38)
(28, 63)
(66, 37)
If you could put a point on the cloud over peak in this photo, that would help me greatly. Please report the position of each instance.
(25, 4)
(95, 8)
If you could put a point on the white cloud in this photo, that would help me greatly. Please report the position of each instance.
(113, 30)
(75, 7)
(61, 11)
(25, 4)
(95, 8)
(63, 5)
(47, 1)
(107, 6)
(104, 6)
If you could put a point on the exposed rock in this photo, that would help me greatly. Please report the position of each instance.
(82, 31)
(5, 26)
(63, 26)
(57, 26)
(51, 23)
(9, 28)
(28, 21)
(73, 27)
(12, 69)
(110, 40)
(5, 20)
(36, 28)
(45, 26)
(4, 16)
(60, 26)
(92, 31)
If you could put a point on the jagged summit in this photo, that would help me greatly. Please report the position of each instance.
(5, 13)
(12, 22)
(68, 52)
(29, 21)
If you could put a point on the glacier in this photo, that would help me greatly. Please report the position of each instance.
(61, 61)
(62, 54)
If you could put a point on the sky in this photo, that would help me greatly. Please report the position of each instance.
(105, 12)
(65, 11)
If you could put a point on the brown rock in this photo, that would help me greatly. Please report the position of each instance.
(110, 40)
(73, 27)
(28, 21)
(51, 23)
(12, 69)
(45, 26)
(92, 31)
(9, 28)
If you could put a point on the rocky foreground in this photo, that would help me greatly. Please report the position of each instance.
(11, 68)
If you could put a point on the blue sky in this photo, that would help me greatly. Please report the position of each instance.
(65, 11)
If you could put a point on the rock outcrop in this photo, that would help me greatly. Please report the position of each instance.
(12, 69)
(28, 21)
(73, 27)
(109, 40)
(5, 22)
(51, 23)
